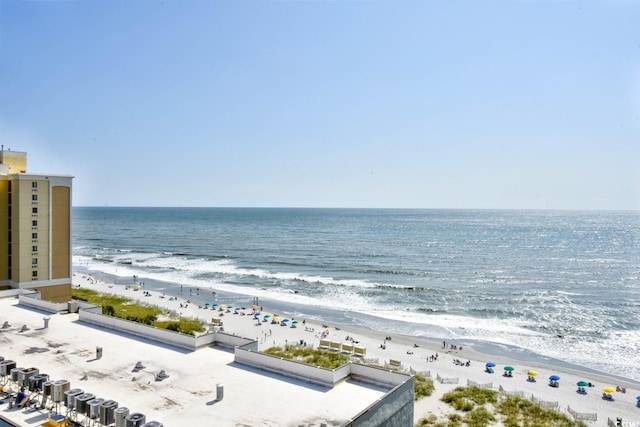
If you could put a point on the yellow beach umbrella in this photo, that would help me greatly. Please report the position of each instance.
(609, 390)
(532, 373)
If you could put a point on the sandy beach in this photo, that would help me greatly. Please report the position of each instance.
(413, 353)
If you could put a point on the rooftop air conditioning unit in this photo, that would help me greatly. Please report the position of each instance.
(16, 374)
(81, 403)
(70, 397)
(35, 382)
(6, 366)
(94, 408)
(107, 412)
(121, 413)
(47, 388)
(23, 378)
(60, 389)
(135, 420)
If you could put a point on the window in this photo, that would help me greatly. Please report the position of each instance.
(34, 184)
(34, 223)
(34, 235)
(34, 273)
(34, 197)
(34, 248)
(34, 261)
(34, 211)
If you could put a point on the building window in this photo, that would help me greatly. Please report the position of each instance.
(34, 274)
(34, 223)
(34, 184)
(34, 248)
(34, 235)
(34, 211)
(34, 197)
(34, 261)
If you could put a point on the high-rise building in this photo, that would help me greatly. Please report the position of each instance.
(35, 229)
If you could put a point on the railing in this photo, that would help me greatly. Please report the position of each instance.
(447, 380)
(475, 384)
(580, 416)
(544, 403)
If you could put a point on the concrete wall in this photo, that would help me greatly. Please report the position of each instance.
(52, 307)
(395, 409)
(139, 329)
(303, 371)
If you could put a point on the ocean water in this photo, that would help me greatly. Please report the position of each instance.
(561, 284)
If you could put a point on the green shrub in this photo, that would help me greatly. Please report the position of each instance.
(124, 308)
(423, 387)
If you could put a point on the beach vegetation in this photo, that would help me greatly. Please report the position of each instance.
(182, 325)
(423, 387)
(311, 356)
(124, 308)
(479, 407)
(517, 411)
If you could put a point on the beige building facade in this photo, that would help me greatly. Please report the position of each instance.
(35, 229)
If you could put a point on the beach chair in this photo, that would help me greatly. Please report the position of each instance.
(395, 363)
(359, 351)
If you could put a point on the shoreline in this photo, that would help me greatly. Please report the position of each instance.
(414, 352)
(480, 349)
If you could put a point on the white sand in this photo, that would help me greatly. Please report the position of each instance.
(269, 335)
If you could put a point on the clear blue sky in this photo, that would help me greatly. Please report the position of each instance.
(427, 104)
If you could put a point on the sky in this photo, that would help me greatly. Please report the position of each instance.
(492, 104)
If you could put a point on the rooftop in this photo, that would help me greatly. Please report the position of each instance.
(67, 349)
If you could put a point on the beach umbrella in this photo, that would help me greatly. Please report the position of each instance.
(582, 384)
(554, 378)
(508, 368)
(609, 389)
(532, 373)
(285, 320)
(206, 303)
(257, 314)
(295, 321)
(215, 304)
(490, 365)
(638, 398)
(266, 316)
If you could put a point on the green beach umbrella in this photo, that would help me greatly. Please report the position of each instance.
(509, 368)
(582, 384)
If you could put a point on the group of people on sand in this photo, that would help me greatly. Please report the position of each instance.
(454, 347)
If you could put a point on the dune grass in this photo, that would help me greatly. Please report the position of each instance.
(322, 358)
(124, 308)
(478, 407)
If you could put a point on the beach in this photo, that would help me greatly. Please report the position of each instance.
(415, 353)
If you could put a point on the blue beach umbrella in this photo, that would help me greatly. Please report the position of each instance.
(257, 314)
(638, 398)
(554, 378)
(490, 365)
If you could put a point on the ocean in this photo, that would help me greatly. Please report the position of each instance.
(553, 285)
